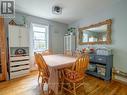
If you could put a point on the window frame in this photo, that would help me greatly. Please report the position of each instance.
(46, 36)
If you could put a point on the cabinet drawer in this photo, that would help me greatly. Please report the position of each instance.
(100, 59)
(19, 58)
(19, 63)
(19, 68)
(19, 73)
(92, 58)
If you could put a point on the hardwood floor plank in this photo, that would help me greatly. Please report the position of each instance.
(28, 85)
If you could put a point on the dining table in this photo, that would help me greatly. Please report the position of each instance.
(54, 63)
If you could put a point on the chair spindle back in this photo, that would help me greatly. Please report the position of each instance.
(42, 66)
(81, 63)
(68, 53)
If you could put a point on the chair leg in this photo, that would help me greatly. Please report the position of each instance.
(84, 87)
(62, 86)
(74, 88)
(59, 77)
(62, 78)
(39, 77)
(42, 83)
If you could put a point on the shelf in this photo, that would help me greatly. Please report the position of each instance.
(95, 74)
(105, 63)
(91, 62)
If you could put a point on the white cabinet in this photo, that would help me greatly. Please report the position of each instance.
(19, 51)
(24, 41)
(13, 36)
(69, 42)
(19, 66)
(18, 36)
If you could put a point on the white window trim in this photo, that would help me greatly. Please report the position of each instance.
(41, 25)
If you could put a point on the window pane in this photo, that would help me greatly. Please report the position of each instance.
(39, 45)
(38, 35)
(40, 29)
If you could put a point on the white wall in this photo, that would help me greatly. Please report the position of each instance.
(56, 30)
(118, 13)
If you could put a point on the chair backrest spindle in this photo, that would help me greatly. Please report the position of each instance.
(47, 52)
(68, 53)
(81, 63)
(42, 66)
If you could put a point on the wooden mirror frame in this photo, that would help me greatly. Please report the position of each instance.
(109, 30)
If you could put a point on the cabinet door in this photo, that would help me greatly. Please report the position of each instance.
(65, 43)
(72, 42)
(13, 36)
(69, 43)
(24, 37)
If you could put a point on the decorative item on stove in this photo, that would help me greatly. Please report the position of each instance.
(20, 51)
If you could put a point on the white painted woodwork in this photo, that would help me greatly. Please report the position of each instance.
(69, 42)
(19, 74)
(24, 41)
(13, 36)
(20, 68)
(19, 62)
(19, 58)
(18, 36)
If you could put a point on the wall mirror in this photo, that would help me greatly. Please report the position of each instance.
(99, 33)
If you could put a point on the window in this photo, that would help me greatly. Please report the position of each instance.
(40, 38)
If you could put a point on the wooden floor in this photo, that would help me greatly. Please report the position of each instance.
(28, 86)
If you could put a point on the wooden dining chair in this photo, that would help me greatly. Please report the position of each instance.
(75, 76)
(68, 53)
(42, 68)
(47, 52)
(77, 53)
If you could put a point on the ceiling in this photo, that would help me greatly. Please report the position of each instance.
(73, 10)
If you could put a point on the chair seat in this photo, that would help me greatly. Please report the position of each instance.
(73, 76)
(74, 80)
